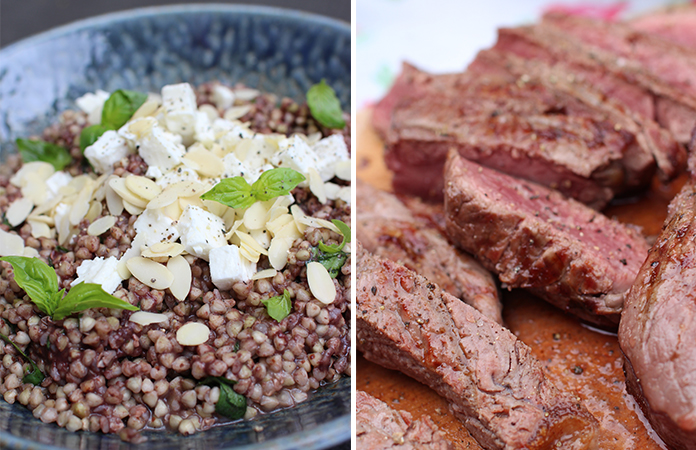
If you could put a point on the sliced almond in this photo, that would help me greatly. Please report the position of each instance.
(255, 216)
(320, 283)
(209, 111)
(278, 252)
(345, 194)
(170, 249)
(119, 186)
(192, 333)
(81, 206)
(41, 218)
(279, 222)
(18, 211)
(209, 165)
(181, 270)
(150, 273)
(263, 237)
(268, 273)
(306, 221)
(216, 208)
(132, 209)
(95, 210)
(249, 253)
(289, 231)
(146, 109)
(11, 244)
(193, 201)
(31, 252)
(316, 185)
(172, 211)
(35, 188)
(143, 187)
(113, 201)
(246, 94)
(246, 238)
(144, 318)
(39, 229)
(237, 112)
(343, 170)
(164, 199)
(331, 190)
(101, 226)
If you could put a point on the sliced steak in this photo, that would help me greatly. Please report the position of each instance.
(658, 327)
(378, 427)
(492, 382)
(535, 238)
(389, 229)
(514, 128)
(676, 24)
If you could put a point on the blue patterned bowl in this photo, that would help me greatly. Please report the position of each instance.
(274, 50)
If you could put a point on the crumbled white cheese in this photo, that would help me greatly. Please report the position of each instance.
(159, 148)
(179, 104)
(228, 267)
(203, 130)
(106, 151)
(99, 271)
(177, 175)
(93, 104)
(295, 154)
(222, 96)
(57, 181)
(329, 151)
(154, 227)
(201, 231)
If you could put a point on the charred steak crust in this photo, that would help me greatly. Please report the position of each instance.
(388, 228)
(379, 427)
(535, 238)
(492, 382)
(658, 327)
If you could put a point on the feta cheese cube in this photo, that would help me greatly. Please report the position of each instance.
(228, 267)
(230, 134)
(177, 175)
(329, 151)
(295, 154)
(154, 227)
(179, 104)
(99, 271)
(201, 231)
(153, 172)
(159, 148)
(222, 96)
(57, 181)
(108, 150)
(203, 129)
(92, 105)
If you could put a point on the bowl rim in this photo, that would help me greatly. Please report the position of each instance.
(326, 435)
(150, 11)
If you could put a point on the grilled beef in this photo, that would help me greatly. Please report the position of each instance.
(658, 326)
(535, 238)
(676, 24)
(378, 427)
(389, 229)
(492, 382)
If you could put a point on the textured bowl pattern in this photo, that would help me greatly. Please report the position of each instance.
(273, 50)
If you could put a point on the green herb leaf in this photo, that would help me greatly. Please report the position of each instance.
(236, 193)
(85, 296)
(120, 107)
(324, 105)
(233, 192)
(37, 279)
(40, 282)
(345, 232)
(90, 135)
(278, 307)
(35, 150)
(276, 182)
(230, 404)
(34, 377)
(332, 261)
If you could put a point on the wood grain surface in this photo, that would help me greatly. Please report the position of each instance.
(577, 357)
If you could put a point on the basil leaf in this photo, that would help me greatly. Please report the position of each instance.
(276, 182)
(278, 307)
(90, 135)
(333, 262)
(344, 231)
(324, 105)
(230, 404)
(120, 107)
(37, 279)
(85, 296)
(233, 192)
(34, 377)
(35, 150)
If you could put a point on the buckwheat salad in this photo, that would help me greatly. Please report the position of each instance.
(176, 260)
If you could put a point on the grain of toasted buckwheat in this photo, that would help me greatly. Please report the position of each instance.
(105, 373)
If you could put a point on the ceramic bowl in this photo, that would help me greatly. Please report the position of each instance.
(273, 50)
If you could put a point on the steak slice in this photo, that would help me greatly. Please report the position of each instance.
(675, 23)
(658, 327)
(514, 128)
(535, 238)
(378, 427)
(389, 229)
(492, 382)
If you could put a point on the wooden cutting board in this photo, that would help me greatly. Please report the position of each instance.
(578, 358)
